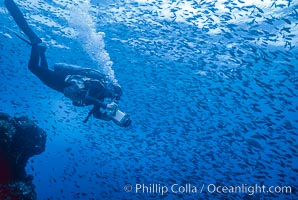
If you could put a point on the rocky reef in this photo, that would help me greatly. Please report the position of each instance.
(20, 139)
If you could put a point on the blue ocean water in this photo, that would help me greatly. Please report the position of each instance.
(211, 87)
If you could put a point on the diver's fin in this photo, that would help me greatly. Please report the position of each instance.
(21, 22)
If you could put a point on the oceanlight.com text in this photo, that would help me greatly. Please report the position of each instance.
(163, 189)
(249, 189)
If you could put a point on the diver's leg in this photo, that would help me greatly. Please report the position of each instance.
(34, 59)
(37, 58)
(48, 77)
(43, 60)
(21, 22)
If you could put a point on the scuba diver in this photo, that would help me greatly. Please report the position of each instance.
(84, 86)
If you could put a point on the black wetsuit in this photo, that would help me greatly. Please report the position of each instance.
(39, 67)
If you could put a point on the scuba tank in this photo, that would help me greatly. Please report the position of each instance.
(82, 82)
(111, 87)
(68, 69)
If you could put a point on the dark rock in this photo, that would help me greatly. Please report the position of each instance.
(20, 139)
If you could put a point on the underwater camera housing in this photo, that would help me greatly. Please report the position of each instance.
(117, 116)
(121, 119)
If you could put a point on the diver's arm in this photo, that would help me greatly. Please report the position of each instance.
(111, 106)
(96, 108)
(96, 102)
(107, 115)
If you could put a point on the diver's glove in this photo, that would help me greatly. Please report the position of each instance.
(111, 109)
(107, 114)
